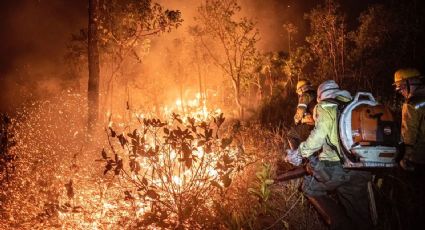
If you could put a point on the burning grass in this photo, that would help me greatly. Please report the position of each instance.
(177, 173)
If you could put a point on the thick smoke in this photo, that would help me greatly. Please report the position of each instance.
(270, 16)
(35, 34)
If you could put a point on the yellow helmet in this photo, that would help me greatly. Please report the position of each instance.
(404, 74)
(303, 86)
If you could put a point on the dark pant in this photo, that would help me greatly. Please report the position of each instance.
(351, 209)
(411, 197)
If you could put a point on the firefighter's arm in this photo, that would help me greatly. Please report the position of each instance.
(303, 101)
(409, 128)
(318, 135)
(299, 114)
(308, 119)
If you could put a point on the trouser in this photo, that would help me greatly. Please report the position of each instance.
(411, 197)
(351, 209)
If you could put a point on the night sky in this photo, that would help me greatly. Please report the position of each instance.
(33, 30)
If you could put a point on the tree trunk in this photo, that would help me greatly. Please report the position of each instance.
(201, 95)
(236, 87)
(93, 62)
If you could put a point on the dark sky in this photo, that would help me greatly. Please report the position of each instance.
(37, 30)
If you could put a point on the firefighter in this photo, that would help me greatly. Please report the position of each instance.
(306, 103)
(303, 117)
(328, 177)
(410, 83)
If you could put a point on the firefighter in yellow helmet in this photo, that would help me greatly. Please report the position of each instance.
(303, 117)
(410, 83)
(306, 103)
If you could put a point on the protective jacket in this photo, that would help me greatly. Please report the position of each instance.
(413, 127)
(325, 133)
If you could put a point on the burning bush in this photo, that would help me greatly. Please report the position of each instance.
(174, 171)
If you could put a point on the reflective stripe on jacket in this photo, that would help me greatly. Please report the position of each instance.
(307, 101)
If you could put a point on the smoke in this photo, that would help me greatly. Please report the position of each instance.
(270, 15)
(35, 34)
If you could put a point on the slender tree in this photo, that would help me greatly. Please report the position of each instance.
(327, 40)
(232, 44)
(290, 30)
(93, 65)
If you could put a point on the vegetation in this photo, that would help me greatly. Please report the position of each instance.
(155, 163)
(236, 42)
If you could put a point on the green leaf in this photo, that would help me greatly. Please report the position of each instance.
(254, 192)
(269, 181)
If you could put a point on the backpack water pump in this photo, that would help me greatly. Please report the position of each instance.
(367, 133)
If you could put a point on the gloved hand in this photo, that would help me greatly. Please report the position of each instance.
(293, 157)
(307, 119)
(299, 115)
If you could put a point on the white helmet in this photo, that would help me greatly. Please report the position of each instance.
(330, 89)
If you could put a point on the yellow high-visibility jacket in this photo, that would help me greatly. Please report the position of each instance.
(413, 128)
(325, 133)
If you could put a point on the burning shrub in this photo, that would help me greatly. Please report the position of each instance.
(178, 173)
(173, 171)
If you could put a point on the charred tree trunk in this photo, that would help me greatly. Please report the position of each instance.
(93, 64)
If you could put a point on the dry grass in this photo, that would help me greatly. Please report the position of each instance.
(51, 153)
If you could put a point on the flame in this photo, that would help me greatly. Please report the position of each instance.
(102, 200)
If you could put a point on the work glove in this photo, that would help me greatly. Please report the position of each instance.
(293, 157)
(299, 115)
(307, 119)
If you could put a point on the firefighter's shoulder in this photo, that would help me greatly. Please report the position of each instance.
(416, 101)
